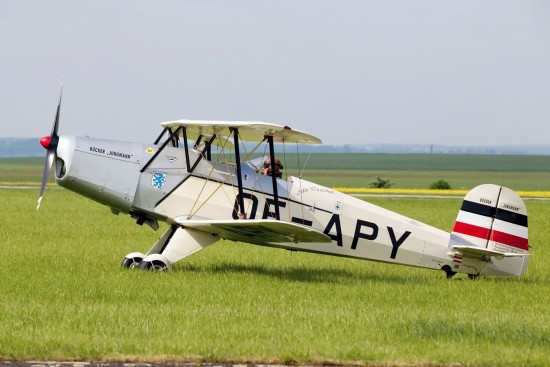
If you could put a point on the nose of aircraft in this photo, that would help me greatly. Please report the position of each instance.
(45, 141)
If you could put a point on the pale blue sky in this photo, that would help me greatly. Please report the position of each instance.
(460, 72)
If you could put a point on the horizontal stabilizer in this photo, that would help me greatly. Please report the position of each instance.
(477, 252)
(258, 232)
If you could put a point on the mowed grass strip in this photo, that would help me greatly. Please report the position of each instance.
(64, 297)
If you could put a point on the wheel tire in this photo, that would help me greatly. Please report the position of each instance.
(473, 276)
(155, 265)
(132, 262)
(448, 271)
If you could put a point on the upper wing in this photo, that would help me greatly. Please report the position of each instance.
(258, 232)
(248, 131)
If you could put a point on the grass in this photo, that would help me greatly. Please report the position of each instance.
(64, 297)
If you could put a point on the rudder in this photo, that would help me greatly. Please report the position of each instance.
(492, 225)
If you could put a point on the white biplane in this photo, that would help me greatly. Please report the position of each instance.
(175, 180)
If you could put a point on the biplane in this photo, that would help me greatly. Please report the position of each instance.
(175, 180)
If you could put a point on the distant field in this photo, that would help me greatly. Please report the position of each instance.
(22, 170)
(421, 170)
(529, 181)
(64, 297)
(421, 162)
(414, 171)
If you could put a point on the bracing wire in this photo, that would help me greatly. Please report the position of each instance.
(247, 157)
(259, 182)
(284, 155)
(287, 182)
(193, 211)
(300, 180)
(305, 164)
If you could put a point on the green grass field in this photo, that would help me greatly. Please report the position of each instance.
(63, 296)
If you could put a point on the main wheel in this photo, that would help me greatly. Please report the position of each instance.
(155, 265)
(155, 262)
(132, 260)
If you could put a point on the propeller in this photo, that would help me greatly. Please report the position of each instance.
(50, 144)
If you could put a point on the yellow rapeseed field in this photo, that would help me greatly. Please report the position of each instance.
(395, 191)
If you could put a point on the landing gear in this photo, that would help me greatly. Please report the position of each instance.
(448, 271)
(153, 262)
(132, 260)
(473, 276)
(175, 244)
(156, 262)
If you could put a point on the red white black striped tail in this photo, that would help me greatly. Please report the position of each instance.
(492, 217)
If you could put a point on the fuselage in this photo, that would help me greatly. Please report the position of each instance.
(112, 173)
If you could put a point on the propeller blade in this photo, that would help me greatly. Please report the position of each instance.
(56, 121)
(50, 143)
(47, 167)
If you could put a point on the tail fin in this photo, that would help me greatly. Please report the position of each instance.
(492, 226)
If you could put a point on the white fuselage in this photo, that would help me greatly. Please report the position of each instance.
(357, 228)
(116, 174)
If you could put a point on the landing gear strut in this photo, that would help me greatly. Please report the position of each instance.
(175, 244)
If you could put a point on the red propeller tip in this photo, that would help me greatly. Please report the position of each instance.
(45, 141)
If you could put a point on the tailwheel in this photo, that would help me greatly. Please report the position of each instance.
(155, 262)
(132, 260)
(448, 271)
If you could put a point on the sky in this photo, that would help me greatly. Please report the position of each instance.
(450, 72)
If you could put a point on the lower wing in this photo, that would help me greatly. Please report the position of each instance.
(258, 232)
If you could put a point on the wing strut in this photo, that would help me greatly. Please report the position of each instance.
(171, 138)
(184, 132)
(273, 176)
(204, 150)
(242, 214)
(161, 135)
